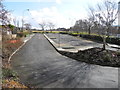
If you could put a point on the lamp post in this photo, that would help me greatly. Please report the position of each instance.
(23, 18)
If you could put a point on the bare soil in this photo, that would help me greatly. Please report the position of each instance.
(8, 47)
(96, 56)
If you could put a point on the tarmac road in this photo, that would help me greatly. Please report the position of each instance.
(40, 65)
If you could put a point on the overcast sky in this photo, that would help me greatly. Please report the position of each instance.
(63, 13)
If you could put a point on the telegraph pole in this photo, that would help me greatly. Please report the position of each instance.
(23, 18)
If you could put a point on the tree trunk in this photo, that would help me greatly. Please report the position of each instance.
(104, 42)
(51, 30)
(89, 30)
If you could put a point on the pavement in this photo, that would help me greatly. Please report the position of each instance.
(64, 42)
(40, 65)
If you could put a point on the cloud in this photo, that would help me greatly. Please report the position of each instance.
(50, 15)
(58, 1)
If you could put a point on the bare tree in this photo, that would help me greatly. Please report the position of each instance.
(90, 24)
(91, 20)
(78, 26)
(15, 24)
(18, 24)
(43, 25)
(109, 15)
(105, 15)
(27, 26)
(3, 14)
(83, 25)
(51, 26)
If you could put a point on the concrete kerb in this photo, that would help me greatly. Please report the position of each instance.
(25, 41)
(56, 46)
(51, 42)
(114, 46)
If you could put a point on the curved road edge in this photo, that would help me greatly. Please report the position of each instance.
(57, 46)
(35, 68)
(24, 42)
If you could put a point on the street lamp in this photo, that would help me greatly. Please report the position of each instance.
(23, 18)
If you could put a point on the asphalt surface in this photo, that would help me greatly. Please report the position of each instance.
(78, 43)
(40, 65)
(69, 40)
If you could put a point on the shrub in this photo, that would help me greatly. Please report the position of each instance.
(20, 35)
(98, 38)
(92, 37)
(63, 32)
(8, 73)
(23, 34)
(107, 58)
(113, 40)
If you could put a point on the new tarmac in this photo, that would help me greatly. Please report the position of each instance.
(40, 65)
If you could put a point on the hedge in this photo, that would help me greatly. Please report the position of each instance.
(97, 38)
(23, 34)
